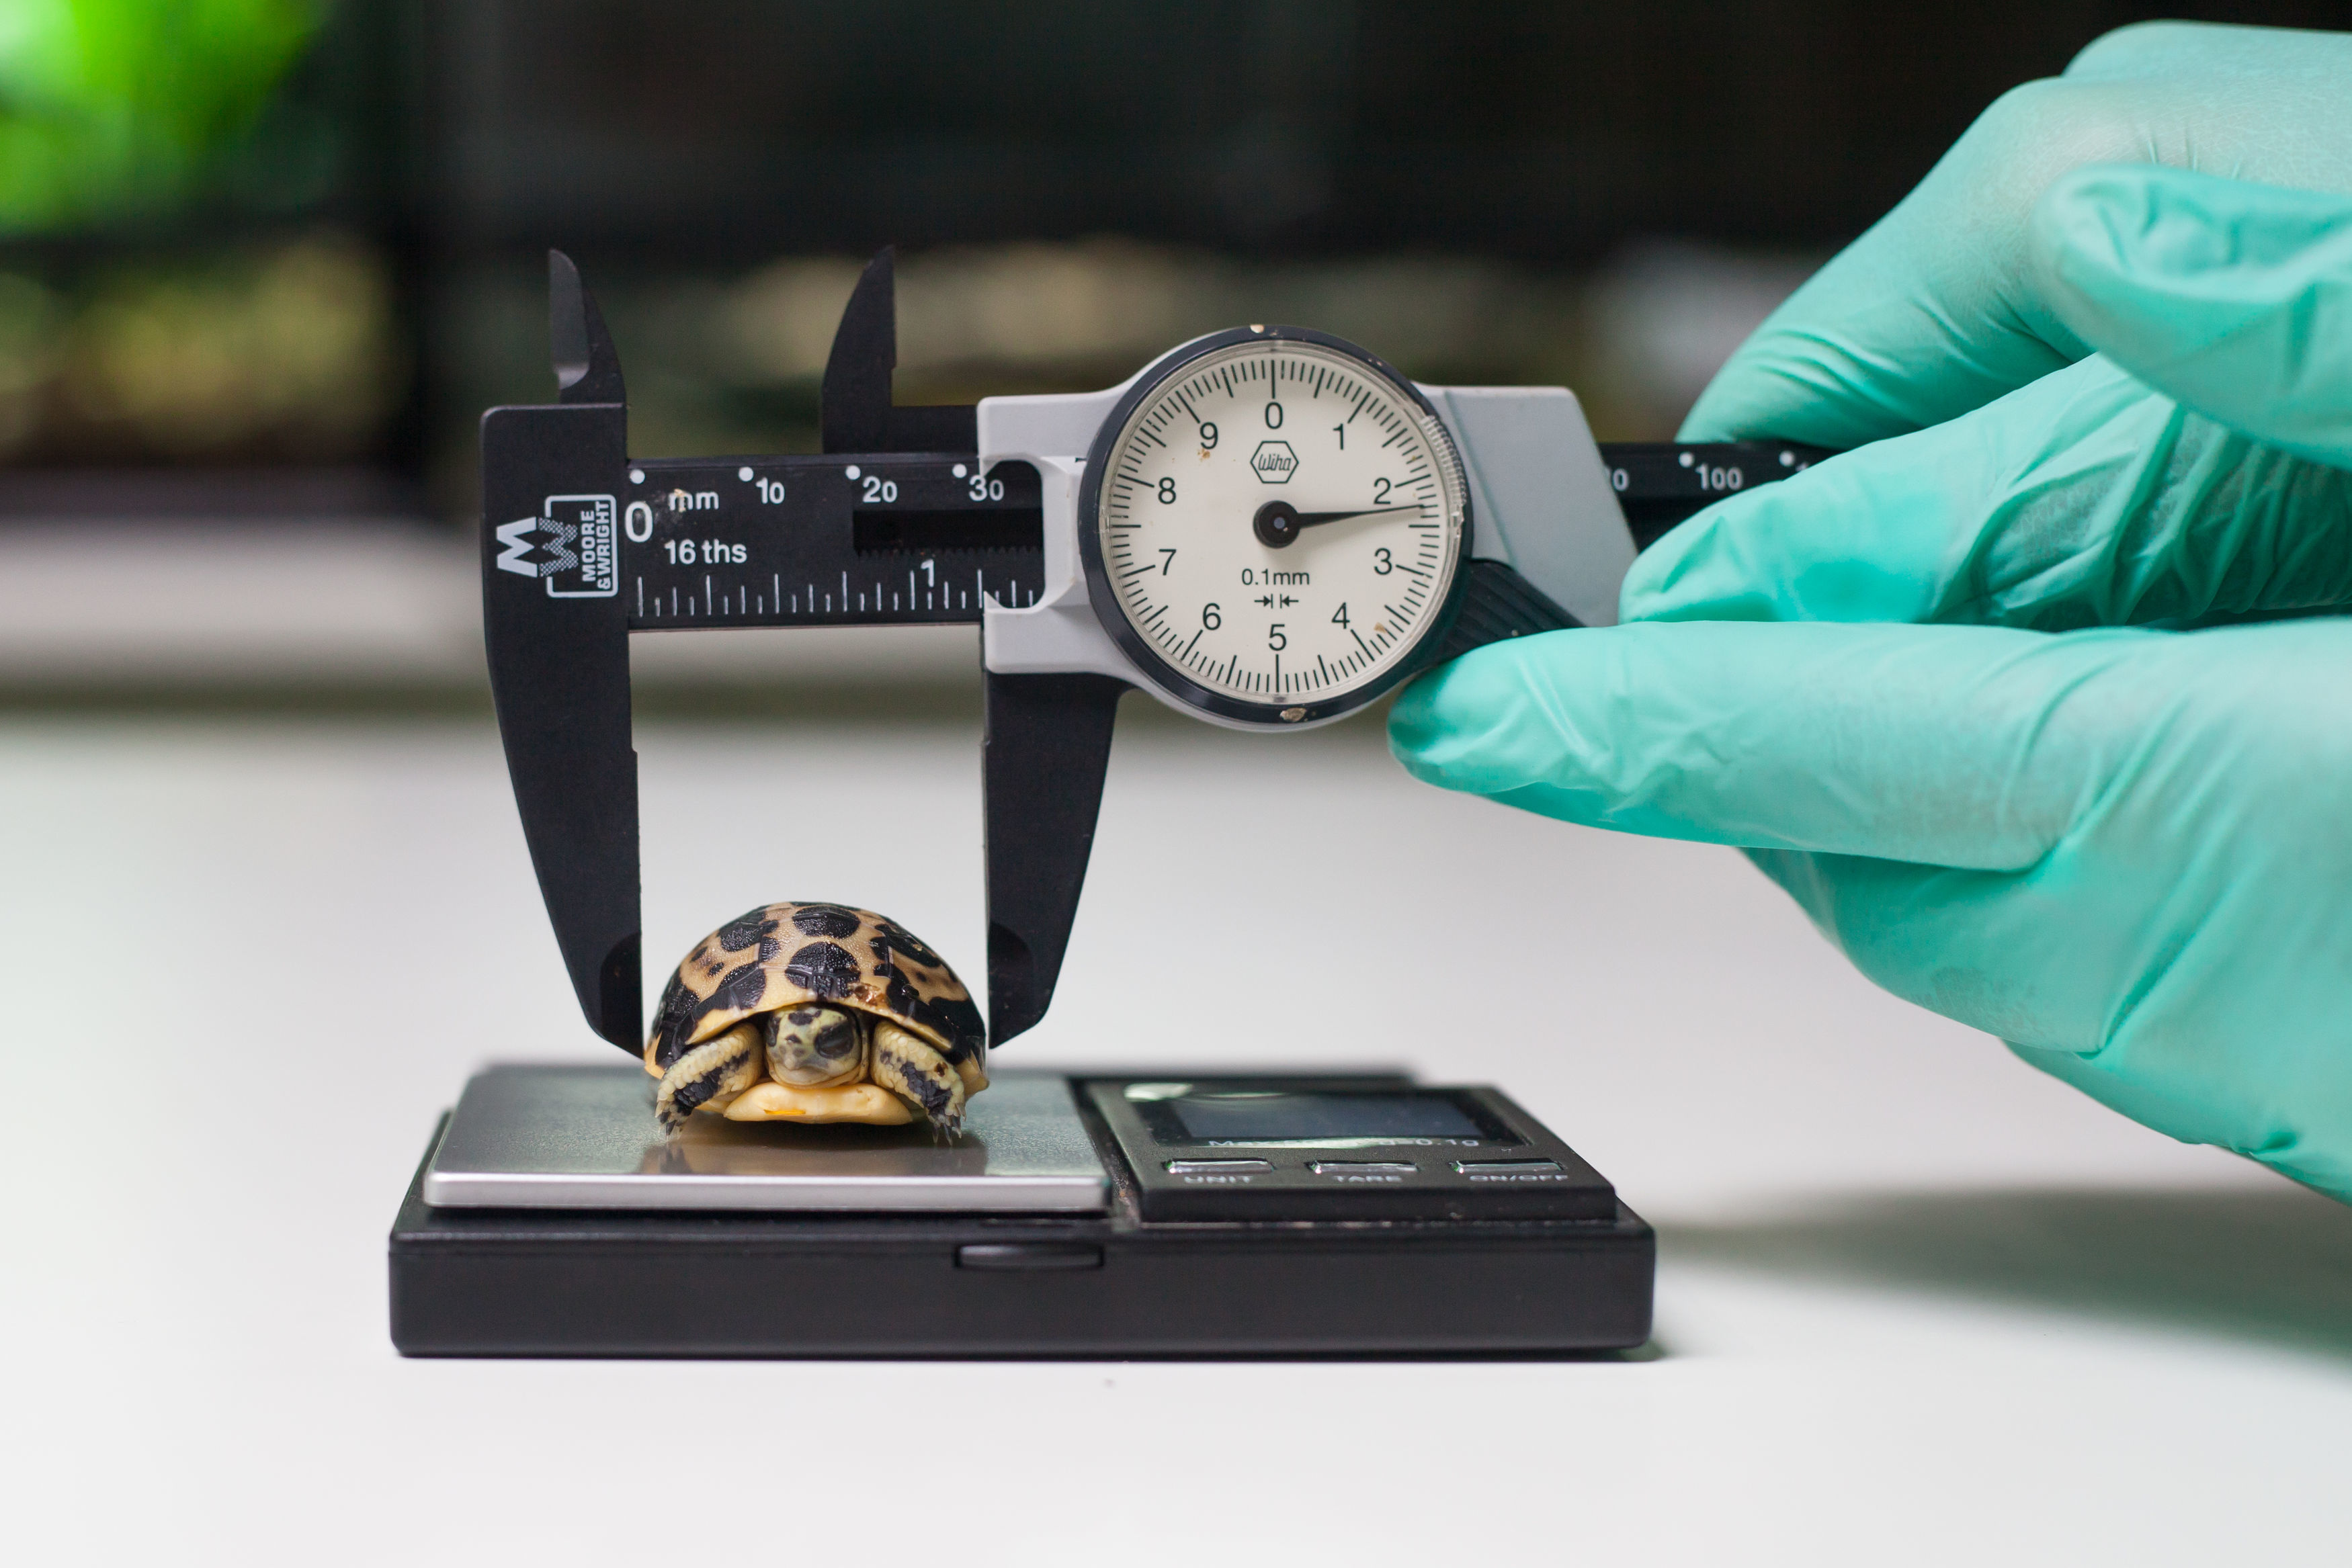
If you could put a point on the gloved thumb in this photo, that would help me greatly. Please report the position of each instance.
(2109, 848)
(2233, 298)
(1970, 746)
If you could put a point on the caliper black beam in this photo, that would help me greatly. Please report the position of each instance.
(1662, 483)
(882, 540)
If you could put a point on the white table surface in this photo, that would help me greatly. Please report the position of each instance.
(1916, 1303)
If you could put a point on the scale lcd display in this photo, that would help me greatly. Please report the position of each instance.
(1288, 1118)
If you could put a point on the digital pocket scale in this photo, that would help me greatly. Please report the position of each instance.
(1075, 1215)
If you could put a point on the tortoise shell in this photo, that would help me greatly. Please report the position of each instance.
(784, 955)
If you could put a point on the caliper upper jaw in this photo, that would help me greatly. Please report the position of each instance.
(557, 640)
(855, 411)
(587, 367)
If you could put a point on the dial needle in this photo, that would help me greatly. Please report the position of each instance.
(1277, 523)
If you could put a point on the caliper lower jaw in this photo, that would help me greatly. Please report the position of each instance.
(1053, 679)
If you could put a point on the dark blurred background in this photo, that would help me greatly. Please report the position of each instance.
(263, 262)
(271, 257)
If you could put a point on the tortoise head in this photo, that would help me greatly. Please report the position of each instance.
(815, 1044)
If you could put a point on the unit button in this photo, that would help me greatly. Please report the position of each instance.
(1507, 1167)
(1363, 1167)
(1218, 1168)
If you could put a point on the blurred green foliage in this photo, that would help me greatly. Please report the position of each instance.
(112, 107)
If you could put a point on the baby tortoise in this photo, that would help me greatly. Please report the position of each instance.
(816, 1012)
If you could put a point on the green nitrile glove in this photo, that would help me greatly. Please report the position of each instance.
(2056, 813)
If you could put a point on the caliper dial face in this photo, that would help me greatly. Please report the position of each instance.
(1279, 524)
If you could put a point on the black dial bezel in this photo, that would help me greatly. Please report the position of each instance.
(1113, 616)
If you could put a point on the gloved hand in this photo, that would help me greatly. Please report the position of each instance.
(2036, 711)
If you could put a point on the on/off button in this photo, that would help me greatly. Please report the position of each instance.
(1507, 1167)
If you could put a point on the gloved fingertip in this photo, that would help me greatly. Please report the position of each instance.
(1490, 722)
(2229, 296)
(1684, 577)
(1433, 721)
(1415, 719)
(2086, 210)
(1714, 417)
(1833, 543)
(2117, 230)
(1708, 567)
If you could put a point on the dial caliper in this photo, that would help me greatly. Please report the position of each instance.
(1267, 528)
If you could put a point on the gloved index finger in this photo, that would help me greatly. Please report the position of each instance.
(2084, 499)
(1937, 310)
(1955, 745)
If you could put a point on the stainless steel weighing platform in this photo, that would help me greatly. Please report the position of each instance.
(584, 1139)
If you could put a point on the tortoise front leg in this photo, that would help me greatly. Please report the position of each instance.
(908, 1066)
(712, 1074)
